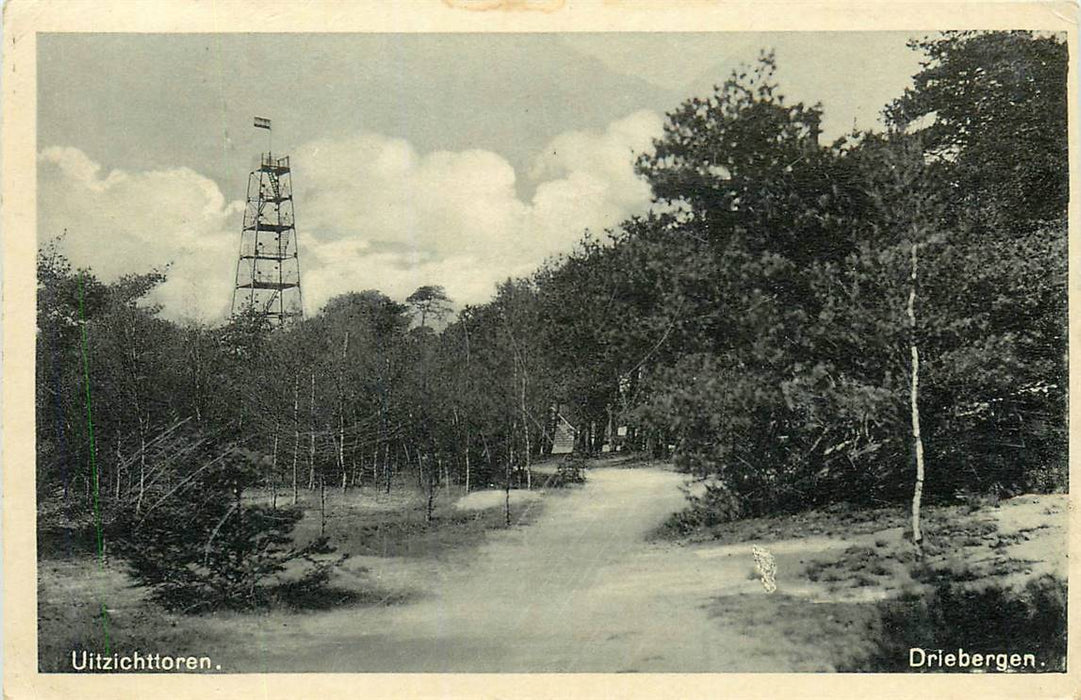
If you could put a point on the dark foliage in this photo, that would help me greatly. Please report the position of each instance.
(201, 547)
(571, 471)
(756, 326)
(986, 621)
(718, 504)
(785, 374)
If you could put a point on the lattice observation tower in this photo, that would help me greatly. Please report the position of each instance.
(268, 267)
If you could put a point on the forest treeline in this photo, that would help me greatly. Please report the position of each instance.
(757, 325)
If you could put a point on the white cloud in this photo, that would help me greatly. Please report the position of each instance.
(125, 222)
(372, 213)
(607, 157)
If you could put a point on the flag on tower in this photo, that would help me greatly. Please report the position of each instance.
(262, 123)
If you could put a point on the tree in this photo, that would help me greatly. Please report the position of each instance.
(426, 419)
(910, 211)
(988, 310)
(757, 201)
(800, 321)
(104, 340)
(991, 107)
(429, 300)
(200, 547)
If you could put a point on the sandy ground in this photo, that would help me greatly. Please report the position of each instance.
(579, 590)
(495, 498)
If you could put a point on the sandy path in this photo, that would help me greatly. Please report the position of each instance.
(579, 590)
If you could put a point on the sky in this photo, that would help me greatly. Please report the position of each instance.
(448, 159)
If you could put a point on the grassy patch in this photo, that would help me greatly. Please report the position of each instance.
(408, 534)
(987, 620)
(296, 597)
(627, 460)
(959, 547)
(71, 596)
(840, 519)
(811, 636)
(72, 588)
(358, 526)
(981, 585)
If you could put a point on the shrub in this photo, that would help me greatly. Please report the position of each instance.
(570, 471)
(717, 505)
(988, 620)
(203, 548)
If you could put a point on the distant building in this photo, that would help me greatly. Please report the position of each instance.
(564, 436)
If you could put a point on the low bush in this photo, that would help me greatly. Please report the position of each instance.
(569, 472)
(716, 505)
(989, 620)
(202, 548)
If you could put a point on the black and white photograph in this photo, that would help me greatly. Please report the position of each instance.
(674, 352)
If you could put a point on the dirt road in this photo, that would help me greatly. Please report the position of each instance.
(578, 590)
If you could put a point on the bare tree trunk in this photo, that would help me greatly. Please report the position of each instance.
(356, 472)
(507, 475)
(520, 373)
(420, 466)
(465, 445)
(197, 368)
(339, 456)
(296, 433)
(446, 475)
(506, 493)
(274, 471)
(465, 330)
(386, 465)
(467, 461)
(431, 485)
(525, 433)
(311, 449)
(341, 451)
(322, 503)
(341, 409)
(609, 431)
(143, 420)
(917, 494)
(119, 463)
(239, 493)
(142, 466)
